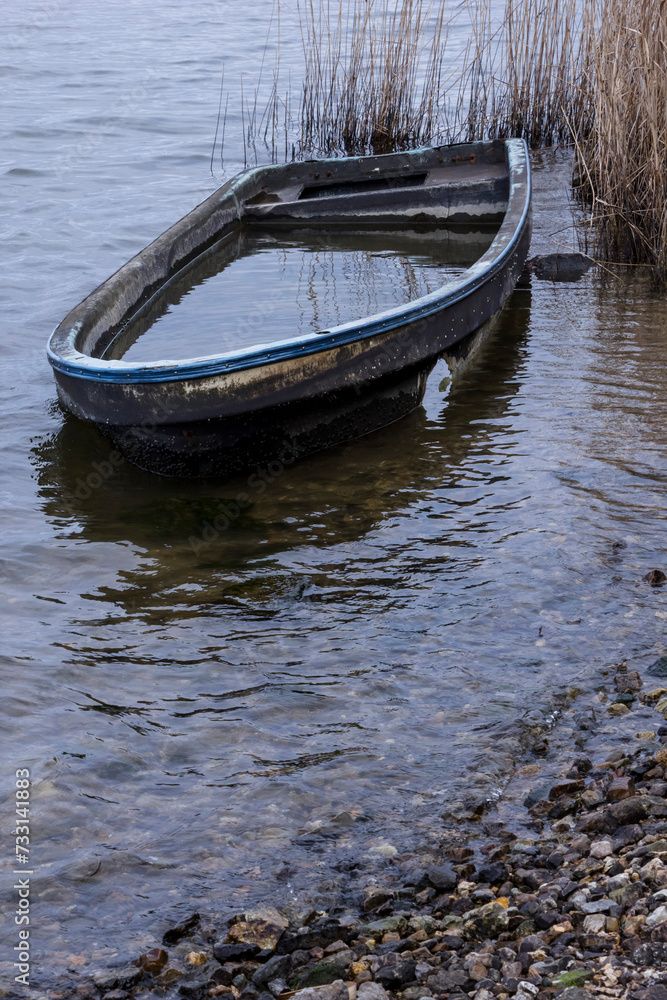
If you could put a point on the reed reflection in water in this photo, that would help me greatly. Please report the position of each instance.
(260, 286)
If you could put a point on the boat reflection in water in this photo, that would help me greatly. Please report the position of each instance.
(192, 531)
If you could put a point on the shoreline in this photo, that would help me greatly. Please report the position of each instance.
(560, 891)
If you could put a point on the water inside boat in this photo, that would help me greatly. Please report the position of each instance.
(258, 287)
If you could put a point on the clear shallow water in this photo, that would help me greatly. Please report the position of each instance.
(197, 709)
(301, 283)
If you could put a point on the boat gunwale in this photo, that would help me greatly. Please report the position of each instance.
(74, 363)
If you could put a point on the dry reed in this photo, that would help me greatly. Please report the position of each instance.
(621, 132)
(373, 74)
(379, 76)
(522, 70)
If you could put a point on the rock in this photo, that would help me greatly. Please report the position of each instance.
(333, 991)
(424, 897)
(650, 953)
(121, 979)
(573, 980)
(543, 921)
(628, 895)
(196, 958)
(574, 993)
(194, 989)
(655, 872)
(658, 916)
(393, 977)
(657, 807)
(277, 967)
(587, 867)
(441, 877)
(378, 928)
(566, 787)
(627, 811)
(318, 975)
(658, 991)
(559, 266)
(335, 946)
(601, 849)
(658, 668)
(626, 835)
(655, 578)
(598, 906)
(620, 788)
(485, 921)
(117, 979)
(510, 970)
(178, 931)
(168, 977)
(263, 927)
(533, 942)
(371, 991)
(562, 807)
(153, 962)
(230, 952)
(595, 923)
(526, 990)
(318, 936)
(425, 923)
(494, 874)
(374, 897)
(448, 980)
(629, 681)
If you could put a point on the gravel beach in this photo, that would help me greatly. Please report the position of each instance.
(558, 888)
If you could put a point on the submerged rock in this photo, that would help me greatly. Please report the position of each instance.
(263, 928)
(441, 876)
(658, 668)
(559, 266)
(178, 931)
(154, 961)
(122, 979)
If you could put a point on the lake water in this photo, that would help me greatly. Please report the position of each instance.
(261, 713)
(304, 283)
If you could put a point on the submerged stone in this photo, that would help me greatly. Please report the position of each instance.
(263, 928)
(559, 266)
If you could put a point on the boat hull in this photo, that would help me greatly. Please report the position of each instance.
(226, 415)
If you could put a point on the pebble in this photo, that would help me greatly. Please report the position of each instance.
(601, 849)
(334, 991)
(263, 928)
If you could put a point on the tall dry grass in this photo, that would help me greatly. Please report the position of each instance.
(380, 75)
(373, 79)
(522, 69)
(620, 135)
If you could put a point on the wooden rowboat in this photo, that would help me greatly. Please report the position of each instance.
(227, 413)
